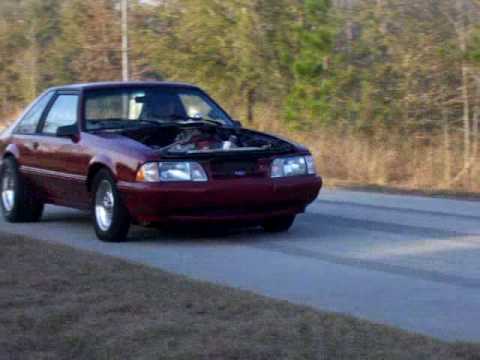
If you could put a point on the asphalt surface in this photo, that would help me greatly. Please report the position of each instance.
(406, 261)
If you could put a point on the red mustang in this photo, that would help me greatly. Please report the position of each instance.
(149, 152)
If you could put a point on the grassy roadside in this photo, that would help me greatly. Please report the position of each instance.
(60, 303)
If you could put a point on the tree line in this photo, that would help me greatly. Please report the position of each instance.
(364, 67)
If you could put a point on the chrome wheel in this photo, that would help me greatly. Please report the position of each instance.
(104, 205)
(8, 190)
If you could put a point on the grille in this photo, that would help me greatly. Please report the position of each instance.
(235, 169)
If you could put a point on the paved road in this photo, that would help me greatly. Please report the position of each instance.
(408, 261)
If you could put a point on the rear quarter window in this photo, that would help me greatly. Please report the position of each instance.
(29, 122)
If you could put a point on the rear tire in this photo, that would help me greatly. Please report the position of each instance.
(18, 202)
(279, 224)
(110, 216)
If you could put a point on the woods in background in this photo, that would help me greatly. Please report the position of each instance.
(385, 91)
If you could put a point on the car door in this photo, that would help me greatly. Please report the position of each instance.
(64, 161)
(25, 138)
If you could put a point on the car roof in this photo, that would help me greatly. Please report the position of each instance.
(121, 84)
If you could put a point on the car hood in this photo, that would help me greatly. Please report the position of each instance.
(208, 141)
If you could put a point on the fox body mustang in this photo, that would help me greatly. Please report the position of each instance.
(149, 152)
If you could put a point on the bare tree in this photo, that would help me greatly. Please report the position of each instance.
(125, 62)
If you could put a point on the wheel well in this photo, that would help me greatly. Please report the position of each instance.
(9, 155)
(94, 169)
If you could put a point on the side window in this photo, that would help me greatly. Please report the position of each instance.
(62, 113)
(29, 122)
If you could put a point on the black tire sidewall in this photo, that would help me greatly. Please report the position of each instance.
(14, 214)
(121, 220)
(26, 207)
(279, 224)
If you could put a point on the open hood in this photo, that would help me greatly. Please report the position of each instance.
(205, 140)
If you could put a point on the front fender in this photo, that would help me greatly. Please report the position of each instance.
(103, 161)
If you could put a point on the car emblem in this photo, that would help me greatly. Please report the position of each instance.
(240, 173)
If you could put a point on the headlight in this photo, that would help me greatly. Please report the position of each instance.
(172, 171)
(293, 166)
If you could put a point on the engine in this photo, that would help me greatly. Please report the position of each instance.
(191, 140)
(199, 140)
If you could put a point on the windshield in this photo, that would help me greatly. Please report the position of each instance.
(121, 108)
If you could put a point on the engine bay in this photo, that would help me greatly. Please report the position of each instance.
(178, 140)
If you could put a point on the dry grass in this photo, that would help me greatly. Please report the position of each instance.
(9, 118)
(60, 303)
(390, 160)
(384, 159)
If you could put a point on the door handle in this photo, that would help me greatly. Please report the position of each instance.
(35, 146)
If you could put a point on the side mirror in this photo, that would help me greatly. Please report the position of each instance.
(69, 131)
(237, 123)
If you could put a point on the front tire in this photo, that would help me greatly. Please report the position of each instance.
(279, 224)
(18, 202)
(110, 216)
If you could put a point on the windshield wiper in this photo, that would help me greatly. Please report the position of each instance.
(153, 122)
(195, 120)
(120, 124)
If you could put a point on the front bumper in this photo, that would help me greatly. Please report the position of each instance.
(244, 199)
